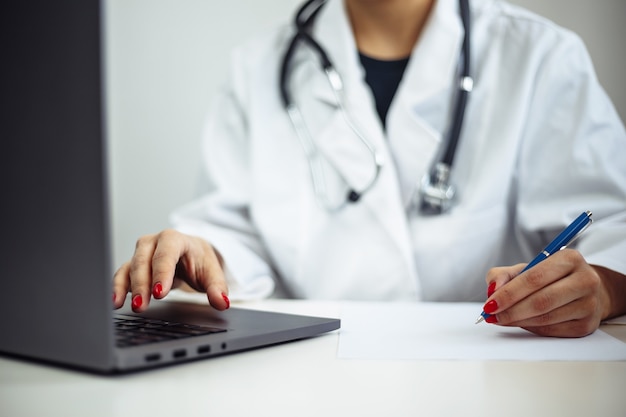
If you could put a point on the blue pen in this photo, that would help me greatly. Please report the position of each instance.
(566, 237)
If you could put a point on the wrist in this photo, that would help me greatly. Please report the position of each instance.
(613, 292)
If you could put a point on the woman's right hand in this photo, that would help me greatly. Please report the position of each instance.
(164, 260)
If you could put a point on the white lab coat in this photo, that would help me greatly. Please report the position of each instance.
(541, 143)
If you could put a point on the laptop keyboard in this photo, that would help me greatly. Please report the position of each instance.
(134, 331)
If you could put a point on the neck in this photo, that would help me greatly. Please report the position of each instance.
(387, 29)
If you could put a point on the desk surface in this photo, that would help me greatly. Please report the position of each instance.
(305, 378)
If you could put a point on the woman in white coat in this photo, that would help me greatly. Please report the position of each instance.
(540, 144)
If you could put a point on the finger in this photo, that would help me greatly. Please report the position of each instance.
(571, 299)
(217, 289)
(222, 286)
(570, 328)
(121, 284)
(574, 310)
(497, 277)
(547, 272)
(536, 309)
(212, 277)
(164, 260)
(140, 272)
(218, 297)
(200, 266)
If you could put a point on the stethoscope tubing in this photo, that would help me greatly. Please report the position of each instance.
(465, 86)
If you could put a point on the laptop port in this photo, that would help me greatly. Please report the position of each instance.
(180, 353)
(153, 357)
(204, 349)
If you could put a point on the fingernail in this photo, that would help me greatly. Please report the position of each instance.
(226, 300)
(490, 307)
(113, 298)
(491, 319)
(157, 290)
(491, 289)
(137, 301)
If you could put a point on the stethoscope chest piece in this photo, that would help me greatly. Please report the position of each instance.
(436, 194)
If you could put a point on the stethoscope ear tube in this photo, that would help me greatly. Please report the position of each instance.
(285, 96)
(302, 22)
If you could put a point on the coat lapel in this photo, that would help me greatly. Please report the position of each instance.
(341, 134)
(422, 108)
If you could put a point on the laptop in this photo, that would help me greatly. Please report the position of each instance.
(56, 267)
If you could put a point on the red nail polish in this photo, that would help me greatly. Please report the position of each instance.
(157, 290)
(137, 301)
(491, 319)
(225, 297)
(491, 307)
(491, 289)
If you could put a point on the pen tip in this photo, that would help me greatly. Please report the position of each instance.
(480, 318)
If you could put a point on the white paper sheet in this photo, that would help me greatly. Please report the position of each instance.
(446, 331)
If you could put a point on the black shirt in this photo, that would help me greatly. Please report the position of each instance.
(383, 77)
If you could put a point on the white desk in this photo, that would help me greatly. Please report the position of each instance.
(305, 378)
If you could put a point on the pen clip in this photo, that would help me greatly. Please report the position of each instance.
(577, 235)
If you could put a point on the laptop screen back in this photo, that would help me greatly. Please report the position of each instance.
(55, 267)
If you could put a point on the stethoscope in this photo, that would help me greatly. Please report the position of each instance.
(436, 193)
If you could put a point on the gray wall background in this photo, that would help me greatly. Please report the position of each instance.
(166, 58)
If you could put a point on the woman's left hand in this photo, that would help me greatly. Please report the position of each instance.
(562, 296)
